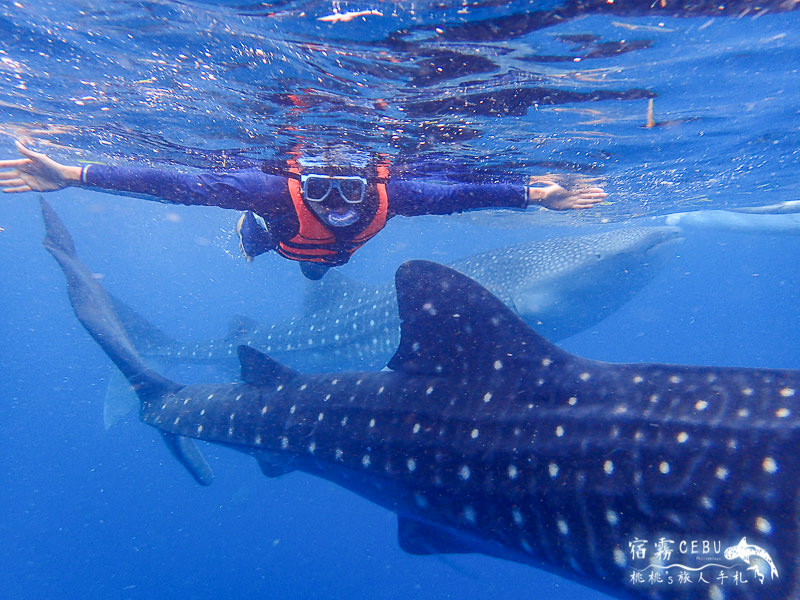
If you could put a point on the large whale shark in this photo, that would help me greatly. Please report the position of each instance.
(560, 285)
(644, 480)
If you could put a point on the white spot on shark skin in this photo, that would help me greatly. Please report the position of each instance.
(513, 472)
(185, 402)
(416, 428)
(701, 405)
(572, 401)
(203, 412)
(238, 397)
(365, 460)
(469, 514)
(638, 379)
(210, 396)
(176, 421)
(584, 376)
(284, 442)
(464, 472)
(338, 454)
(411, 464)
(721, 473)
(707, 503)
(608, 467)
(769, 465)
(714, 593)
(264, 410)
(782, 413)
(517, 516)
(498, 364)
(682, 437)
(553, 470)
(292, 409)
(612, 517)
(619, 558)
(320, 416)
(563, 528)
(199, 429)
(258, 440)
(546, 362)
(763, 525)
(487, 396)
(743, 413)
(303, 387)
(664, 467)
(230, 431)
(474, 434)
(429, 391)
(748, 391)
(674, 379)
(787, 392)
(344, 421)
(372, 423)
(559, 431)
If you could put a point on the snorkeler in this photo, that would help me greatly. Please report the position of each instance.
(316, 215)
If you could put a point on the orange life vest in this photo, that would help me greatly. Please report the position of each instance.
(316, 243)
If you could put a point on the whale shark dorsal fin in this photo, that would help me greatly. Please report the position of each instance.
(452, 325)
(260, 370)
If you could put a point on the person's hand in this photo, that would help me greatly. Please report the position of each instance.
(561, 193)
(36, 172)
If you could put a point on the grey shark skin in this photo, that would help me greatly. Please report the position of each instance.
(485, 437)
(561, 286)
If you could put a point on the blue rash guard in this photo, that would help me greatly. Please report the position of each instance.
(268, 196)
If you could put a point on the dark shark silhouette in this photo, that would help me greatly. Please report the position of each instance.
(484, 437)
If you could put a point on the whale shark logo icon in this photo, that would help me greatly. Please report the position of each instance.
(745, 552)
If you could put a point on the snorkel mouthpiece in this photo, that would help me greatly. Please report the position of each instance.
(342, 220)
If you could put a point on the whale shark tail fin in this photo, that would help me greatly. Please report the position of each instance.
(95, 310)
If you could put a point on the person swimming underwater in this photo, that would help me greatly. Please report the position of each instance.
(313, 213)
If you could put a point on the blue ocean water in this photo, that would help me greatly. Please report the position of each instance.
(514, 88)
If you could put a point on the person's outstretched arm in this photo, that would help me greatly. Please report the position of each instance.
(36, 172)
(246, 189)
(416, 196)
(561, 193)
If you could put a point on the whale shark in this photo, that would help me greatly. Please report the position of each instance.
(484, 437)
(561, 286)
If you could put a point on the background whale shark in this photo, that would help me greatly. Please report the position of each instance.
(485, 437)
(561, 286)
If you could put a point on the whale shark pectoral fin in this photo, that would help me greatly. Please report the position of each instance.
(260, 370)
(273, 465)
(188, 454)
(422, 539)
